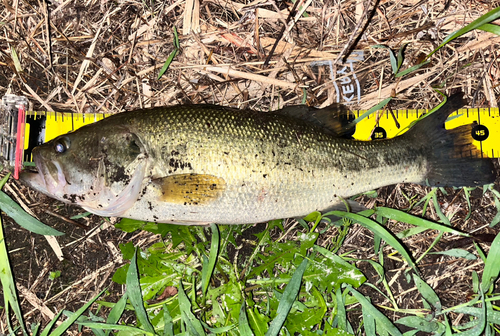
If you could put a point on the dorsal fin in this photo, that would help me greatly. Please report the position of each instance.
(335, 119)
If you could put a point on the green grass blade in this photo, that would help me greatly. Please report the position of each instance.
(486, 18)
(378, 229)
(394, 62)
(392, 57)
(427, 293)
(15, 60)
(467, 198)
(492, 266)
(187, 315)
(457, 253)
(419, 323)
(496, 219)
(410, 232)
(208, 268)
(82, 215)
(135, 296)
(490, 28)
(117, 311)
(244, 326)
(372, 110)
(61, 329)
(401, 57)
(287, 300)
(492, 315)
(427, 197)
(8, 283)
(258, 321)
(172, 55)
(368, 321)
(219, 330)
(440, 214)
(411, 69)
(49, 325)
(110, 326)
(13, 210)
(448, 326)
(191, 331)
(34, 329)
(167, 63)
(404, 217)
(435, 241)
(382, 322)
(481, 320)
(341, 313)
(176, 39)
(168, 328)
(480, 252)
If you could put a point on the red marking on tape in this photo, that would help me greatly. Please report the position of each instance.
(21, 125)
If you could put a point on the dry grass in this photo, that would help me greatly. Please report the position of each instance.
(104, 56)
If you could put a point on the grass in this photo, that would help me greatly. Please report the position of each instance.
(292, 286)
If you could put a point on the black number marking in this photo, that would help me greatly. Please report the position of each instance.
(379, 133)
(480, 133)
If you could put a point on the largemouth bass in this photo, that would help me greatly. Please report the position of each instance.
(205, 164)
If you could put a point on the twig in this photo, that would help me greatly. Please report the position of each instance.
(85, 227)
(280, 36)
(47, 28)
(356, 35)
(251, 76)
(35, 301)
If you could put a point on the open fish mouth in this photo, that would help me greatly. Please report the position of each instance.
(49, 179)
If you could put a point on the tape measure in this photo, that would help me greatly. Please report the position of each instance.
(41, 126)
(385, 124)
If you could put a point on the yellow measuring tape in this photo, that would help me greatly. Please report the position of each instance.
(486, 132)
(44, 126)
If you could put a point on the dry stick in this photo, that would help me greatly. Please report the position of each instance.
(37, 97)
(280, 36)
(481, 79)
(258, 46)
(489, 85)
(90, 52)
(188, 12)
(408, 32)
(384, 18)
(251, 76)
(35, 301)
(83, 226)
(356, 36)
(47, 28)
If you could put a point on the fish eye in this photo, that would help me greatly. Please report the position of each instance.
(61, 145)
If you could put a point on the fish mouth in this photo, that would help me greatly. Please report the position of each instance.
(50, 178)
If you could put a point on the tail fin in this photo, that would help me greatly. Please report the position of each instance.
(452, 158)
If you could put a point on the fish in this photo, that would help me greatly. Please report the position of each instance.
(203, 164)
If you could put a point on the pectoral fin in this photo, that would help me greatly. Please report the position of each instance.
(190, 189)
